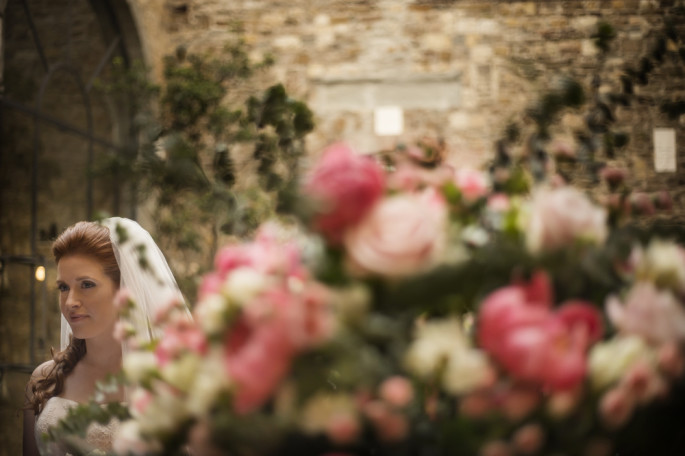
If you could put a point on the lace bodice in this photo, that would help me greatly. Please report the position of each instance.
(99, 436)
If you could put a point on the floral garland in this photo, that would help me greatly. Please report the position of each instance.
(423, 310)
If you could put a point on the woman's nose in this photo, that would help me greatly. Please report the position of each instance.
(72, 299)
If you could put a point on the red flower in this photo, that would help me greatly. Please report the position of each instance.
(531, 341)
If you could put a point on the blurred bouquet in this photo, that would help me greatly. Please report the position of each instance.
(422, 311)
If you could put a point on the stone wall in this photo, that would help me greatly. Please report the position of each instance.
(458, 69)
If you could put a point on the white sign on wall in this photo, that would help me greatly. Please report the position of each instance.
(388, 120)
(664, 150)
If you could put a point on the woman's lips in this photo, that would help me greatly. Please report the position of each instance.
(77, 318)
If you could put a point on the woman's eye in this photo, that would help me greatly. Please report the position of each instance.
(62, 287)
(87, 284)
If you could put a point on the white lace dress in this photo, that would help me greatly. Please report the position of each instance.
(98, 439)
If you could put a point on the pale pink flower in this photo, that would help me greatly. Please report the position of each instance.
(345, 186)
(616, 407)
(128, 440)
(409, 177)
(613, 176)
(123, 330)
(210, 285)
(653, 314)
(140, 400)
(561, 403)
(311, 318)
(473, 184)
(397, 391)
(641, 203)
(183, 336)
(496, 448)
(476, 404)
(402, 235)
(643, 382)
(122, 299)
(343, 428)
(670, 360)
(563, 150)
(561, 216)
(390, 426)
(519, 401)
(499, 202)
(528, 439)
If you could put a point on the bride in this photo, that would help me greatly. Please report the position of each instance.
(94, 260)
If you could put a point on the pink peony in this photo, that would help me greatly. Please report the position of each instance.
(472, 184)
(273, 328)
(561, 216)
(653, 314)
(345, 186)
(519, 329)
(402, 235)
(256, 359)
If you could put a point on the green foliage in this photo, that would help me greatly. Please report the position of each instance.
(599, 137)
(206, 118)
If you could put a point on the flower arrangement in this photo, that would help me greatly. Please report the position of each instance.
(423, 310)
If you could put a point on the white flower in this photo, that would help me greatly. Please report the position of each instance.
(210, 381)
(319, 410)
(654, 314)
(164, 413)
(243, 284)
(440, 346)
(609, 361)
(433, 345)
(466, 369)
(351, 303)
(128, 440)
(560, 216)
(662, 263)
(211, 314)
(180, 373)
(139, 365)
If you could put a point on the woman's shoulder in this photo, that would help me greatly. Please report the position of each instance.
(43, 370)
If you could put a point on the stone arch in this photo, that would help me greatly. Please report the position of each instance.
(58, 128)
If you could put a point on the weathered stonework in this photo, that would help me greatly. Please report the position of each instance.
(461, 70)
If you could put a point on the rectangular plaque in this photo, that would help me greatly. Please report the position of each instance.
(664, 150)
(388, 121)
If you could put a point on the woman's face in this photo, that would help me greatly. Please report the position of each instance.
(86, 296)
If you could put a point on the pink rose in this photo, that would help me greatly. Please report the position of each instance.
(518, 327)
(499, 202)
(472, 184)
(182, 336)
(402, 235)
(561, 216)
(397, 391)
(345, 186)
(653, 314)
